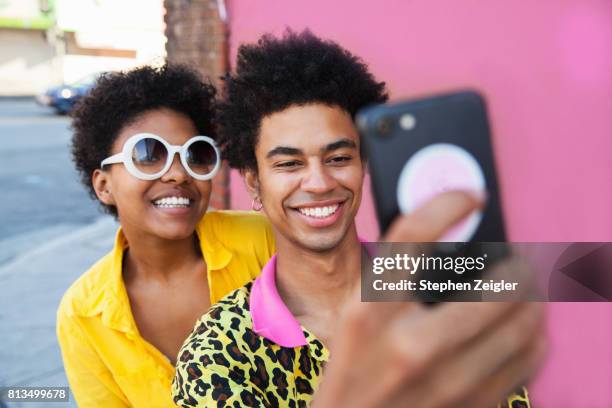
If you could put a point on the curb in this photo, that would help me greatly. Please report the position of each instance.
(72, 239)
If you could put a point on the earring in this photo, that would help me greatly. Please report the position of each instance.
(256, 204)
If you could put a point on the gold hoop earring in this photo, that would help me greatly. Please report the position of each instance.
(256, 204)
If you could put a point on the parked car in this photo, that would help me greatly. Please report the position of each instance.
(63, 97)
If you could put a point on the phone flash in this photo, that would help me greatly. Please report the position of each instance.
(407, 121)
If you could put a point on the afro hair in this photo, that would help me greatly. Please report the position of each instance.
(276, 73)
(118, 99)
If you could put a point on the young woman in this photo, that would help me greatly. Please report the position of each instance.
(144, 147)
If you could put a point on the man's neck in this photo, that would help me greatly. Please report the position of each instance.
(316, 286)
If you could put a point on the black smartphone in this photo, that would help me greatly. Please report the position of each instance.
(419, 148)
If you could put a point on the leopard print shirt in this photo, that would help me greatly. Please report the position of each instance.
(224, 363)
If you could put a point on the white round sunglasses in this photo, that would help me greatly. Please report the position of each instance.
(148, 157)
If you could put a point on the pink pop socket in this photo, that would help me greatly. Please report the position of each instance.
(437, 168)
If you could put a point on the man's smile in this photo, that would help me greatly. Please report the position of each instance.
(320, 214)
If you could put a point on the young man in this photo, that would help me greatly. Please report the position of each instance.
(286, 123)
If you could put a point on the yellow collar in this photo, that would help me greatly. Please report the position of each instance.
(112, 300)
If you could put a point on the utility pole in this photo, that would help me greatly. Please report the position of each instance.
(56, 38)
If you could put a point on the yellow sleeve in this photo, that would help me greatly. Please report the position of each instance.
(90, 381)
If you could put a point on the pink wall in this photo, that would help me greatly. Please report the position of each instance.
(546, 70)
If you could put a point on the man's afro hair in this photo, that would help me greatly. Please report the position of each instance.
(118, 99)
(276, 73)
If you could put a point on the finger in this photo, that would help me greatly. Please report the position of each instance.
(462, 373)
(363, 322)
(365, 317)
(447, 328)
(360, 321)
(361, 360)
(474, 317)
(430, 221)
(417, 342)
(383, 359)
(500, 386)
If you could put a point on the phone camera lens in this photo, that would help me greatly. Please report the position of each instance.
(384, 125)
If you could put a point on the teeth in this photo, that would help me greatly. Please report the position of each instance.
(171, 202)
(319, 212)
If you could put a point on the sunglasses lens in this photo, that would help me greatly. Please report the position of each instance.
(149, 155)
(201, 157)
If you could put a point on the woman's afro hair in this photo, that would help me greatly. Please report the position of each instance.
(118, 99)
(276, 73)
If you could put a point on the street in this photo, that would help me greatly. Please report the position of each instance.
(42, 196)
(51, 232)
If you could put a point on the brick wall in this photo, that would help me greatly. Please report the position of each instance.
(197, 36)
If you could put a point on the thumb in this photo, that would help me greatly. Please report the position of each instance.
(430, 221)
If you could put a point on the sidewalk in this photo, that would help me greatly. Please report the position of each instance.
(31, 287)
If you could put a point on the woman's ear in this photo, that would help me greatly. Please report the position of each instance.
(102, 186)
(251, 180)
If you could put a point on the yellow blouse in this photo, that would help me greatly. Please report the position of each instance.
(107, 362)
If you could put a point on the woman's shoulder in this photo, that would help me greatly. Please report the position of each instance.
(236, 226)
(235, 218)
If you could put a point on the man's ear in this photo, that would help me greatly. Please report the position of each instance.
(102, 186)
(251, 180)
